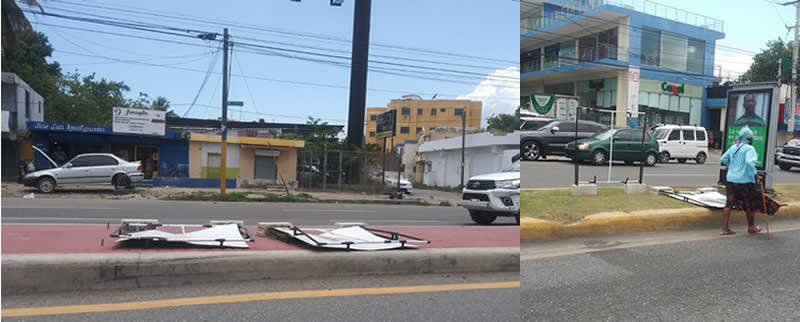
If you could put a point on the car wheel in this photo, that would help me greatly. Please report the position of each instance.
(121, 181)
(46, 185)
(681, 160)
(785, 166)
(599, 157)
(651, 159)
(701, 158)
(517, 217)
(531, 151)
(664, 157)
(482, 218)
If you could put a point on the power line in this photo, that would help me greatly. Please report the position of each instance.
(211, 66)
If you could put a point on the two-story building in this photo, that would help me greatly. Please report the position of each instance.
(20, 104)
(623, 56)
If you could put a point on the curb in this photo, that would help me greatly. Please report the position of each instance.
(638, 221)
(36, 273)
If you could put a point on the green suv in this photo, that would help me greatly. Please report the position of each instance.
(627, 147)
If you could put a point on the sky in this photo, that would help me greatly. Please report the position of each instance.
(281, 89)
(749, 24)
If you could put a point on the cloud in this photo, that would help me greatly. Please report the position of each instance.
(498, 95)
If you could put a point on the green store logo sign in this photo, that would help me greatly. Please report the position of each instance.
(542, 104)
(674, 89)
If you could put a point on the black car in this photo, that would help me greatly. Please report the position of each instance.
(552, 138)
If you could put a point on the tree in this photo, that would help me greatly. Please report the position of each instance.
(765, 64)
(505, 122)
(85, 100)
(14, 22)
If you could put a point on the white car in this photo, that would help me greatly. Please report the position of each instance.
(789, 156)
(87, 169)
(405, 185)
(493, 195)
(682, 142)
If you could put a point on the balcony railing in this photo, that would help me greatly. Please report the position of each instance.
(584, 54)
(534, 23)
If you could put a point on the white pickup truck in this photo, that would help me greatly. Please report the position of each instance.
(493, 195)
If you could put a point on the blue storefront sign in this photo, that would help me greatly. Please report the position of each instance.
(67, 127)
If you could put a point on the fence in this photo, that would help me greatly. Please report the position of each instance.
(340, 170)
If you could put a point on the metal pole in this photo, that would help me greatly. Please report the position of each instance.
(577, 117)
(340, 170)
(792, 108)
(463, 141)
(611, 146)
(358, 72)
(325, 167)
(224, 123)
(641, 164)
(383, 172)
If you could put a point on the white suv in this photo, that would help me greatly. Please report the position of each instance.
(682, 142)
(492, 195)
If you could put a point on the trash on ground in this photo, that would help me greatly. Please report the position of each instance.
(357, 237)
(703, 197)
(29, 196)
(221, 234)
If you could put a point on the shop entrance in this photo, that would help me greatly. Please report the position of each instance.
(147, 154)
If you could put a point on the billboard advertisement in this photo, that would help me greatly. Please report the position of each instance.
(749, 108)
(386, 124)
(138, 121)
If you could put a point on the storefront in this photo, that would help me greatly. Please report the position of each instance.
(160, 155)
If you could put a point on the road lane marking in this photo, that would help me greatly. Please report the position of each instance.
(61, 207)
(329, 210)
(250, 297)
(635, 244)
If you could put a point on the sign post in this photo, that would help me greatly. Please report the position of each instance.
(385, 128)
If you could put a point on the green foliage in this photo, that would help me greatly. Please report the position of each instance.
(765, 63)
(505, 122)
(70, 97)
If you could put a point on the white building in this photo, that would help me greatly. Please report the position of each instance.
(484, 153)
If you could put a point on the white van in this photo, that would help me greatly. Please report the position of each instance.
(682, 142)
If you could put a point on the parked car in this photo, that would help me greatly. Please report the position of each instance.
(533, 123)
(789, 156)
(552, 138)
(493, 195)
(627, 147)
(405, 185)
(682, 142)
(87, 169)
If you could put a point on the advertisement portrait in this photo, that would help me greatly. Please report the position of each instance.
(749, 108)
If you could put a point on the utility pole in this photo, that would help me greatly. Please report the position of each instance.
(793, 95)
(463, 142)
(358, 72)
(224, 123)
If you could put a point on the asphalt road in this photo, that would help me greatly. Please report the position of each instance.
(559, 172)
(664, 277)
(97, 211)
(440, 303)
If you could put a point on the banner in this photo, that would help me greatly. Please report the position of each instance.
(633, 92)
(749, 108)
(543, 105)
(138, 121)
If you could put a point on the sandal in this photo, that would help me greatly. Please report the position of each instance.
(754, 230)
(729, 232)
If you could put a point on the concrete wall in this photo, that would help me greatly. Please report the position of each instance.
(195, 159)
(445, 166)
(247, 163)
(287, 165)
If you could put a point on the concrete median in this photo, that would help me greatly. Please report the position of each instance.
(36, 273)
(640, 221)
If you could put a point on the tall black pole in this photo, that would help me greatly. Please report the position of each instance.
(224, 122)
(641, 165)
(463, 142)
(577, 117)
(358, 73)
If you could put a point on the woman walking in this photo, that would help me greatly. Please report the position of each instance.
(743, 193)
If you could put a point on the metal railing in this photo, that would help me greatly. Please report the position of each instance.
(529, 24)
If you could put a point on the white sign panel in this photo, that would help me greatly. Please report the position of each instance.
(138, 121)
(5, 120)
(633, 92)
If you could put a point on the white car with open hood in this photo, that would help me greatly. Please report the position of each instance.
(86, 169)
(493, 195)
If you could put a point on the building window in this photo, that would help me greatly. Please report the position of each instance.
(373, 117)
(651, 47)
(551, 56)
(27, 104)
(459, 111)
(586, 48)
(531, 61)
(433, 111)
(371, 134)
(696, 54)
(404, 130)
(673, 49)
(419, 129)
(40, 107)
(568, 53)
(419, 111)
(607, 44)
(406, 111)
(443, 110)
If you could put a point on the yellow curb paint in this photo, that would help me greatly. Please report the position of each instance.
(251, 297)
(635, 221)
